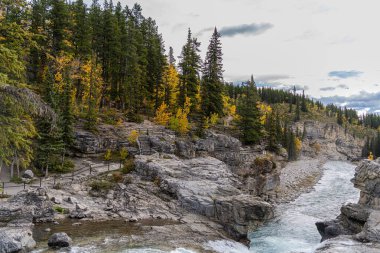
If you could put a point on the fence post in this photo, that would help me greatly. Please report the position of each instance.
(40, 181)
(24, 185)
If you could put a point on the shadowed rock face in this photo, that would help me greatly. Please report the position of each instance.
(206, 186)
(358, 222)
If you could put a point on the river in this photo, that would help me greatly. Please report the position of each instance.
(293, 229)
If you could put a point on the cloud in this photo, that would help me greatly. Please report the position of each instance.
(243, 29)
(364, 101)
(343, 86)
(331, 88)
(345, 74)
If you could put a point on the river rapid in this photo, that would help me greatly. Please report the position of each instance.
(293, 229)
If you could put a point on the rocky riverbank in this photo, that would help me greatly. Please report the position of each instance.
(204, 189)
(357, 228)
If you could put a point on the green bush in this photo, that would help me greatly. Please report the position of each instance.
(60, 209)
(101, 185)
(66, 167)
(16, 180)
(134, 117)
(129, 166)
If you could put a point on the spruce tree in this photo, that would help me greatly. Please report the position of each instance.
(303, 103)
(189, 67)
(212, 79)
(249, 123)
(298, 110)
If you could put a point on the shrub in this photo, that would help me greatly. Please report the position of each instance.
(134, 117)
(16, 180)
(129, 166)
(101, 185)
(117, 177)
(133, 136)
(66, 167)
(60, 209)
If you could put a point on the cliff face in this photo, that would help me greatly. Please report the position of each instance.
(329, 140)
(358, 223)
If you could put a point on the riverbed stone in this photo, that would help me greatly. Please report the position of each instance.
(59, 240)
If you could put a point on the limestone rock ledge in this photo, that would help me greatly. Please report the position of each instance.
(205, 186)
(358, 224)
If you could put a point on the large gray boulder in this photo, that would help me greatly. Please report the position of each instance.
(28, 174)
(32, 205)
(16, 240)
(206, 186)
(59, 240)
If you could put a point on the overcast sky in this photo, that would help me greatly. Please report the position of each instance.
(329, 47)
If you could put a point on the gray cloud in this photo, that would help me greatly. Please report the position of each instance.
(243, 29)
(363, 100)
(331, 88)
(343, 86)
(345, 74)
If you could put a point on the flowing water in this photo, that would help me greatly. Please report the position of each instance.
(293, 229)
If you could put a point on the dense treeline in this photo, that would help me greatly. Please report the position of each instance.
(89, 61)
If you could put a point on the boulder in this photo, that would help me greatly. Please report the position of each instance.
(16, 240)
(59, 240)
(28, 174)
(27, 206)
(206, 186)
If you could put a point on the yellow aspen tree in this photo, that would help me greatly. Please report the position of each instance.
(162, 115)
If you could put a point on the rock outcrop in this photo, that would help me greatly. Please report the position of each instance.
(205, 186)
(330, 140)
(17, 216)
(16, 239)
(357, 224)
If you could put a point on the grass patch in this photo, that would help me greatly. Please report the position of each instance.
(60, 209)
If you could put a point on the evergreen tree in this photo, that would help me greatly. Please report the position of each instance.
(59, 24)
(303, 103)
(172, 59)
(292, 152)
(212, 79)
(298, 111)
(189, 66)
(249, 123)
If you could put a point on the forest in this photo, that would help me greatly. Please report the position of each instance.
(62, 62)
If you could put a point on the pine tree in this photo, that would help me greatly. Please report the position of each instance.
(172, 59)
(212, 79)
(189, 66)
(303, 103)
(249, 122)
(59, 18)
(298, 111)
